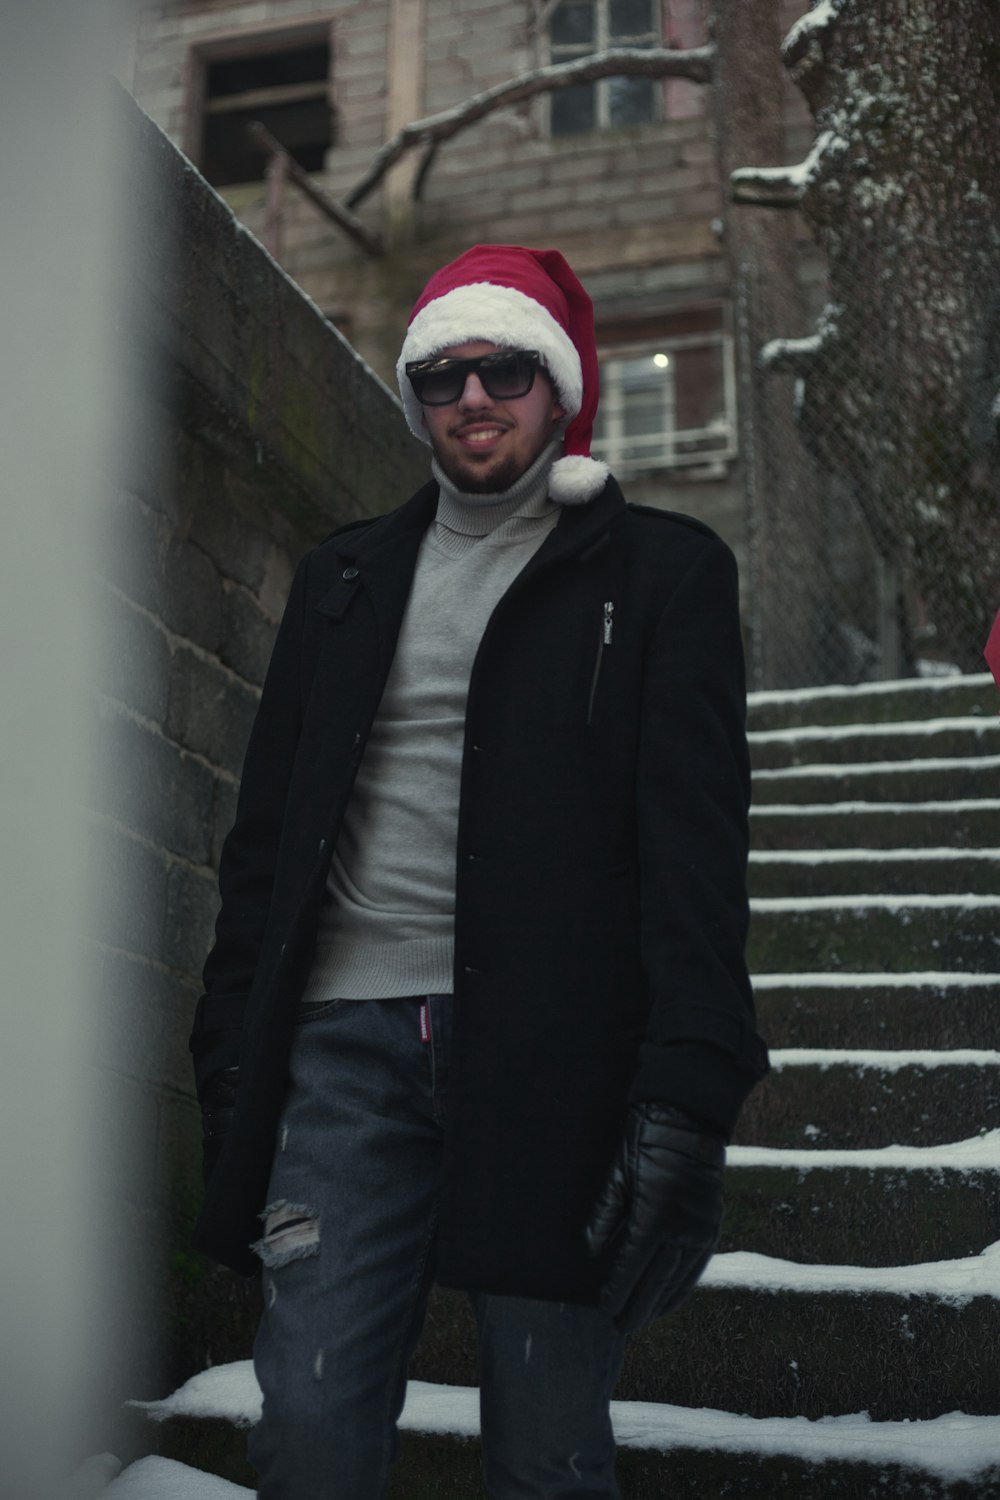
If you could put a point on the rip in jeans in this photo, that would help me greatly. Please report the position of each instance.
(291, 1232)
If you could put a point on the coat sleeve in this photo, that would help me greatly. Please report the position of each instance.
(700, 1051)
(249, 854)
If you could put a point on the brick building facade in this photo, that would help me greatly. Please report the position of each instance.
(620, 175)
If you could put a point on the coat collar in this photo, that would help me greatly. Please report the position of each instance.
(384, 552)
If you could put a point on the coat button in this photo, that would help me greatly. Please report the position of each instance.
(350, 573)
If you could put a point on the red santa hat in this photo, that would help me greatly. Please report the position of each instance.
(519, 299)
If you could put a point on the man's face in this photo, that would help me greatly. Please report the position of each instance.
(485, 445)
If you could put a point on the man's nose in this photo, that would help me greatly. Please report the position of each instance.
(474, 397)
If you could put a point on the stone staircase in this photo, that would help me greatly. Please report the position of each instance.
(846, 1339)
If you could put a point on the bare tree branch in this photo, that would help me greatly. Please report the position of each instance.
(652, 62)
(369, 239)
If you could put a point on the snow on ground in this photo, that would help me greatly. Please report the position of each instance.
(976, 725)
(981, 1153)
(863, 690)
(930, 978)
(884, 1061)
(952, 1447)
(871, 856)
(954, 1281)
(166, 1479)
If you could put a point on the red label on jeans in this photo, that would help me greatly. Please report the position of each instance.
(425, 1023)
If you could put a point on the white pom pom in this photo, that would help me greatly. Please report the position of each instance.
(576, 479)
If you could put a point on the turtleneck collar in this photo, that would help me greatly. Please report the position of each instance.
(477, 515)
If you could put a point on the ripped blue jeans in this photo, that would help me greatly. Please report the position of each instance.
(348, 1262)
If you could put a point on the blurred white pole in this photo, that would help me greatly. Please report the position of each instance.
(60, 243)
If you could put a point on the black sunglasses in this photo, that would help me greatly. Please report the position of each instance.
(505, 375)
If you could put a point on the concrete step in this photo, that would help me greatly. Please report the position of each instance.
(856, 1211)
(960, 824)
(881, 781)
(860, 1099)
(783, 1352)
(925, 1010)
(662, 1450)
(875, 703)
(931, 739)
(846, 872)
(880, 933)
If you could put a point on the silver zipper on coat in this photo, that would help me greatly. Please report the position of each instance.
(607, 628)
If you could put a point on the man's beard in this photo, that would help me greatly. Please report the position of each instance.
(490, 481)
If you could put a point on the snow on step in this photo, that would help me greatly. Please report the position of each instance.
(885, 1062)
(166, 1479)
(814, 809)
(953, 1281)
(874, 903)
(952, 1448)
(981, 1153)
(891, 730)
(860, 691)
(834, 980)
(870, 856)
(881, 767)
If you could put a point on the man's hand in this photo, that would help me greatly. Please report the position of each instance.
(218, 1100)
(659, 1213)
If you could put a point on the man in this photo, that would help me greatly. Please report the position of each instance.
(478, 988)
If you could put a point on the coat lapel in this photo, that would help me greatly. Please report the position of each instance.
(378, 561)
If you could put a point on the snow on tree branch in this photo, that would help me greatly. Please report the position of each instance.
(652, 62)
(783, 187)
(808, 29)
(799, 356)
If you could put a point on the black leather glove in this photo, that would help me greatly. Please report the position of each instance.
(218, 1100)
(659, 1213)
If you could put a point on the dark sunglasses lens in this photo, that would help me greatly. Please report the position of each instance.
(438, 387)
(510, 376)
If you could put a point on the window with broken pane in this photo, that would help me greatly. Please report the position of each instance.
(284, 85)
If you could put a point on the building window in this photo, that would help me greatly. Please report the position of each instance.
(669, 401)
(279, 78)
(580, 27)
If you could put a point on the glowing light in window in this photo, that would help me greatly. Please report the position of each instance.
(661, 361)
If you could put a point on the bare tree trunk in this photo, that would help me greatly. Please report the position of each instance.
(900, 389)
(760, 246)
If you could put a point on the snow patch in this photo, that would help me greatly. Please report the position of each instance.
(874, 903)
(937, 979)
(166, 1479)
(979, 1154)
(864, 690)
(870, 856)
(810, 733)
(825, 1058)
(820, 809)
(952, 1281)
(953, 1447)
(883, 767)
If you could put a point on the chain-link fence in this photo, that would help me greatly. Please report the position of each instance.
(873, 526)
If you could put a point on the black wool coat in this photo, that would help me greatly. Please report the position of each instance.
(600, 894)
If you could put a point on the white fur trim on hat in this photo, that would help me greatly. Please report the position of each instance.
(576, 479)
(496, 315)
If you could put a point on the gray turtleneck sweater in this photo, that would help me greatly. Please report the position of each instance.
(387, 926)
